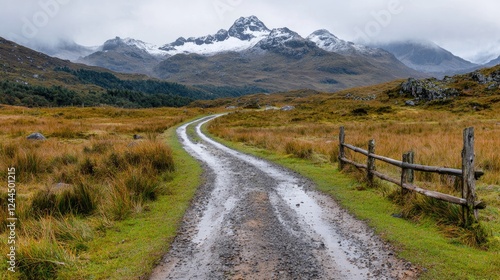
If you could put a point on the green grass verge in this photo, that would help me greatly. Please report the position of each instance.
(420, 243)
(130, 249)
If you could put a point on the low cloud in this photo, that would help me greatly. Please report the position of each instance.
(464, 27)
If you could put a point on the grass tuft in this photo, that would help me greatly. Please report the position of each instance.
(42, 260)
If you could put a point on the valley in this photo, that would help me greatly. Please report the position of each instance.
(217, 157)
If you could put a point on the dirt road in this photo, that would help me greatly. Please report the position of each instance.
(255, 220)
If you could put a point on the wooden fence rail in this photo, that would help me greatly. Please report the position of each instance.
(468, 174)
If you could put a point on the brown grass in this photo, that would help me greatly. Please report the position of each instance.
(88, 173)
(433, 133)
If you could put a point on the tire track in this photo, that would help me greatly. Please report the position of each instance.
(256, 220)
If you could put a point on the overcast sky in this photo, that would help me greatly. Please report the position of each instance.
(470, 29)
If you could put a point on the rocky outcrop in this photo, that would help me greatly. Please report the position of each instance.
(492, 80)
(425, 91)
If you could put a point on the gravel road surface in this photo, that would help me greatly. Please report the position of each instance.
(252, 219)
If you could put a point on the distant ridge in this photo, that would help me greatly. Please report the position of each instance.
(428, 57)
(251, 55)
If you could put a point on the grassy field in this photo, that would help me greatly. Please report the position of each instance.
(90, 197)
(306, 139)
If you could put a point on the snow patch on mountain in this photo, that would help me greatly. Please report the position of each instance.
(331, 43)
(146, 47)
(244, 34)
(231, 44)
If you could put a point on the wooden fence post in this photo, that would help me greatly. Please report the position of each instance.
(341, 148)
(371, 161)
(468, 176)
(407, 174)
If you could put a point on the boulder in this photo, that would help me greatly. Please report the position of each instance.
(36, 136)
(410, 103)
(287, 108)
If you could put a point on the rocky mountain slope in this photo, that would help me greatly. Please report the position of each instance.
(31, 78)
(494, 62)
(251, 55)
(126, 56)
(482, 87)
(428, 57)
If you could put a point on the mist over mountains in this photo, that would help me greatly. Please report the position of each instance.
(251, 57)
(254, 55)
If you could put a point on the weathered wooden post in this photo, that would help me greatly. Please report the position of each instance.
(371, 161)
(468, 176)
(407, 174)
(341, 147)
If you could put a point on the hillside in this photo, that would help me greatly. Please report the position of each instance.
(471, 92)
(427, 57)
(34, 79)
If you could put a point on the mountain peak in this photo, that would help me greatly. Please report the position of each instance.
(245, 28)
(124, 43)
(323, 33)
(286, 42)
(243, 34)
(325, 40)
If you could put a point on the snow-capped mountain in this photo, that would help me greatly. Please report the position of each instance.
(249, 55)
(244, 34)
(286, 42)
(331, 43)
(126, 55)
(119, 42)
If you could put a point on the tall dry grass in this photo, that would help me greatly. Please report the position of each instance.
(435, 135)
(89, 173)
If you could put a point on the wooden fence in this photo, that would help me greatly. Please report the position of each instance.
(467, 174)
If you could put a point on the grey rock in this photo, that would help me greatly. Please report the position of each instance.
(478, 77)
(493, 86)
(36, 136)
(288, 108)
(426, 90)
(410, 103)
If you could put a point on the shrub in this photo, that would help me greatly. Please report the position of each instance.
(43, 203)
(118, 204)
(70, 200)
(87, 167)
(299, 149)
(41, 260)
(66, 159)
(29, 162)
(77, 200)
(9, 150)
(116, 161)
(360, 112)
(142, 188)
(156, 154)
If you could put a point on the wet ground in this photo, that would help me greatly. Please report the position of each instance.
(255, 220)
